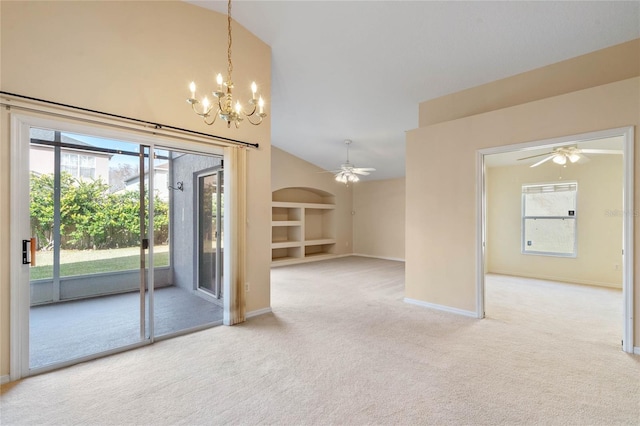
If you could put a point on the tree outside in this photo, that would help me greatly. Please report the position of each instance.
(92, 217)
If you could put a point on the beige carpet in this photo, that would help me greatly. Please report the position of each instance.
(342, 348)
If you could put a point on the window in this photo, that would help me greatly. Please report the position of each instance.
(79, 166)
(549, 219)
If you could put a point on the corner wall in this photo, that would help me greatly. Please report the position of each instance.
(379, 218)
(134, 59)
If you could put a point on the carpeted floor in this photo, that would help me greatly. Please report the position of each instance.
(342, 348)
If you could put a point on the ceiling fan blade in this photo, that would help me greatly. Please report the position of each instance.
(601, 151)
(360, 172)
(365, 169)
(544, 160)
(583, 159)
(534, 156)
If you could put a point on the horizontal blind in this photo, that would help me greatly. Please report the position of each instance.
(555, 187)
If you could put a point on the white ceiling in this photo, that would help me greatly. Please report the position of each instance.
(358, 69)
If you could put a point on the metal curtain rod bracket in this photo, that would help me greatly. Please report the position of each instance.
(136, 120)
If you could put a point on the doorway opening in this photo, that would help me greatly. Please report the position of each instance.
(597, 247)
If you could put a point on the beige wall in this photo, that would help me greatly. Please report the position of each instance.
(134, 59)
(289, 171)
(599, 235)
(379, 220)
(441, 195)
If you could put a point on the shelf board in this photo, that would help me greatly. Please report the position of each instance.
(320, 242)
(285, 259)
(290, 204)
(285, 244)
(286, 223)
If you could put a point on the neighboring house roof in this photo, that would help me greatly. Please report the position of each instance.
(46, 135)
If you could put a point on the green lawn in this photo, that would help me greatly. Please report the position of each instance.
(114, 264)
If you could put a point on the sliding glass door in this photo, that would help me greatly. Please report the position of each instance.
(115, 255)
(89, 216)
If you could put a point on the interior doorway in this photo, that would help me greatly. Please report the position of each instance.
(523, 259)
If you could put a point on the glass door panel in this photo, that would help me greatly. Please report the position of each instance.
(86, 215)
(210, 236)
(179, 303)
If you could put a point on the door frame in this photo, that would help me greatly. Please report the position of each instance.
(20, 124)
(627, 222)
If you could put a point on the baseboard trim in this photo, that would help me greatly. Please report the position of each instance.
(636, 350)
(7, 379)
(257, 312)
(557, 279)
(441, 307)
(396, 259)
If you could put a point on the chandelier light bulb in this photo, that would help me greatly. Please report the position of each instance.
(192, 87)
(238, 107)
(205, 103)
(261, 105)
(219, 81)
(254, 89)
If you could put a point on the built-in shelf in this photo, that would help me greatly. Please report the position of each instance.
(286, 223)
(319, 242)
(302, 231)
(285, 244)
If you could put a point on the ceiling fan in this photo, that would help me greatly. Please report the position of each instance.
(563, 154)
(348, 172)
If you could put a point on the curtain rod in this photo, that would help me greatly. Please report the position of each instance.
(122, 117)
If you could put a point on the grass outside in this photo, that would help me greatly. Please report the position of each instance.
(84, 262)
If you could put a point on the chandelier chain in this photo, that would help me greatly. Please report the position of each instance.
(230, 64)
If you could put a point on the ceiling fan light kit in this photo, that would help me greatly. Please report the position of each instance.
(227, 110)
(572, 154)
(348, 172)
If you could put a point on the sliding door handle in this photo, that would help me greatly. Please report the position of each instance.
(29, 252)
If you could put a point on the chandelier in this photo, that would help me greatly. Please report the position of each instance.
(226, 109)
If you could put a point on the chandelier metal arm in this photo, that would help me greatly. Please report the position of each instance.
(257, 123)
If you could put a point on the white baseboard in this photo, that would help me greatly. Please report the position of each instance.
(543, 277)
(636, 350)
(396, 259)
(441, 308)
(257, 313)
(7, 379)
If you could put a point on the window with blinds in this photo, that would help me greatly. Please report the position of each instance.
(549, 219)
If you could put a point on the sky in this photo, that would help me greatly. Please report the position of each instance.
(114, 144)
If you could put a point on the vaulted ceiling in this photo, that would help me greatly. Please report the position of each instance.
(358, 69)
